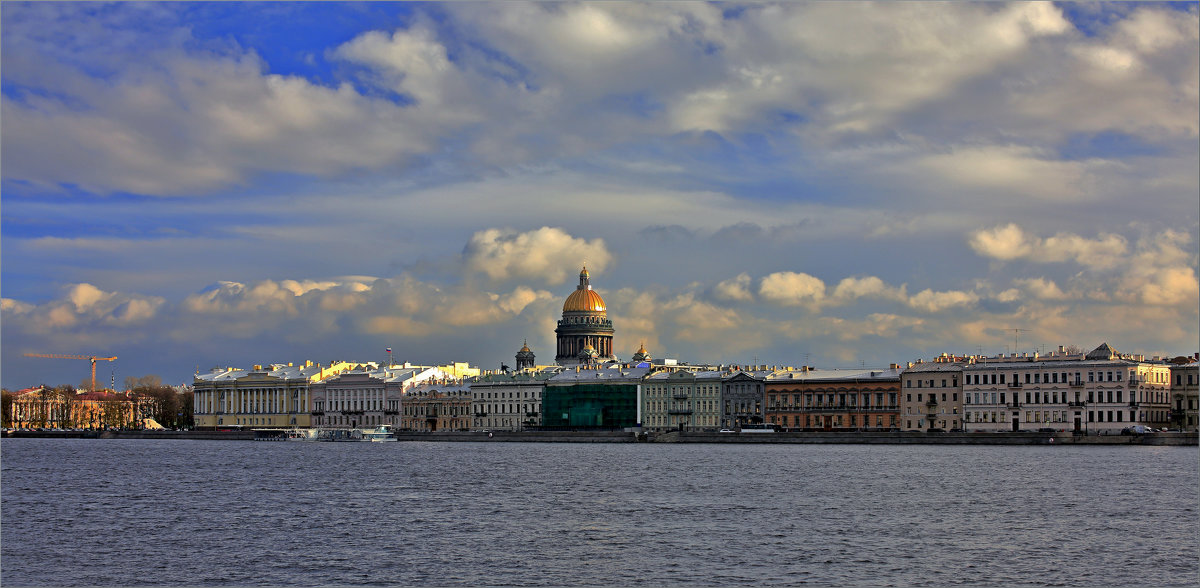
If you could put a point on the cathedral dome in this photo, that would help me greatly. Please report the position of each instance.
(584, 301)
(641, 354)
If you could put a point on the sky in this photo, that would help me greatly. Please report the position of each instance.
(192, 185)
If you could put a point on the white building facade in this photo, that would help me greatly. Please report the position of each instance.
(1101, 392)
(368, 396)
(509, 401)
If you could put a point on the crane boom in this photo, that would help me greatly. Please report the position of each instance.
(92, 358)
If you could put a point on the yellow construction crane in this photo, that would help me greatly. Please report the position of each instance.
(92, 358)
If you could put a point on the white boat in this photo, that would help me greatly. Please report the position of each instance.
(380, 434)
(285, 434)
(301, 435)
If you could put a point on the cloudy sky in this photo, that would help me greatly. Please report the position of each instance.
(834, 184)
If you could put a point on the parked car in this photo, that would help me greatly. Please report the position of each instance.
(1137, 430)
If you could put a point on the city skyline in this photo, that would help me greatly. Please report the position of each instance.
(187, 185)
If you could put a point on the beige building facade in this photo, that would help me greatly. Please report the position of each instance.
(1185, 394)
(1101, 392)
(681, 400)
(931, 395)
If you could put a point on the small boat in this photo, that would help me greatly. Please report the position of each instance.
(380, 434)
(285, 434)
(301, 435)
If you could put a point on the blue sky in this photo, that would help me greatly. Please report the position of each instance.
(187, 185)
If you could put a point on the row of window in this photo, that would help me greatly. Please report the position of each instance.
(838, 420)
(501, 395)
(929, 383)
(1052, 397)
(1036, 378)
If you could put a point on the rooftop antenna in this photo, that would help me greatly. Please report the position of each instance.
(1017, 333)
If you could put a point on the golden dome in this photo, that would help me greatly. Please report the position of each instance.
(584, 301)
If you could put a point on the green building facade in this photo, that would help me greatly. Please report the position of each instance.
(604, 398)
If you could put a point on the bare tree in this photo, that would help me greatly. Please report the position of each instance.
(6, 408)
(148, 381)
(64, 406)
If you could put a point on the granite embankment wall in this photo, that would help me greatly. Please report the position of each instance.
(523, 436)
(201, 435)
(919, 438)
(889, 438)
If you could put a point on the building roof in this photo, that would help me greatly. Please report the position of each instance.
(835, 375)
(584, 301)
(933, 367)
(616, 374)
(1104, 351)
(521, 377)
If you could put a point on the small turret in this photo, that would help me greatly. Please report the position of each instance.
(525, 358)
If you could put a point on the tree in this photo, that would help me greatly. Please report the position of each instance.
(186, 418)
(6, 408)
(64, 406)
(149, 381)
(112, 413)
(163, 404)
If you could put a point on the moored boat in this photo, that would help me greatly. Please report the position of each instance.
(382, 433)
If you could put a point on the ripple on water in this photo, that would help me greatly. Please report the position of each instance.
(465, 514)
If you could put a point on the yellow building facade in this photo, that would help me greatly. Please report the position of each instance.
(274, 396)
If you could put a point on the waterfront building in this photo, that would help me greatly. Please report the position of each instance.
(584, 334)
(368, 396)
(681, 400)
(271, 396)
(1100, 392)
(931, 395)
(443, 405)
(1185, 393)
(834, 400)
(593, 397)
(743, 397)
(457, 369)
(66, 408)
(509, 401)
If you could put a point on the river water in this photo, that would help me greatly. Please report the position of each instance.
(83, 512)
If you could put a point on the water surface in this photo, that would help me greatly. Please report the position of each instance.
(82, 512)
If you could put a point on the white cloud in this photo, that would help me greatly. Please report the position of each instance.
(1042, 288)
(734, 289)
(548, 254)
(1002, 242)
(1020, 172)
(1162, 273)
(1009, 242)
(83, 306)
(931, 301)
(868, 287)
(792, 289)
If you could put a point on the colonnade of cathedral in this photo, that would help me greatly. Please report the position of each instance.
(570, 346)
